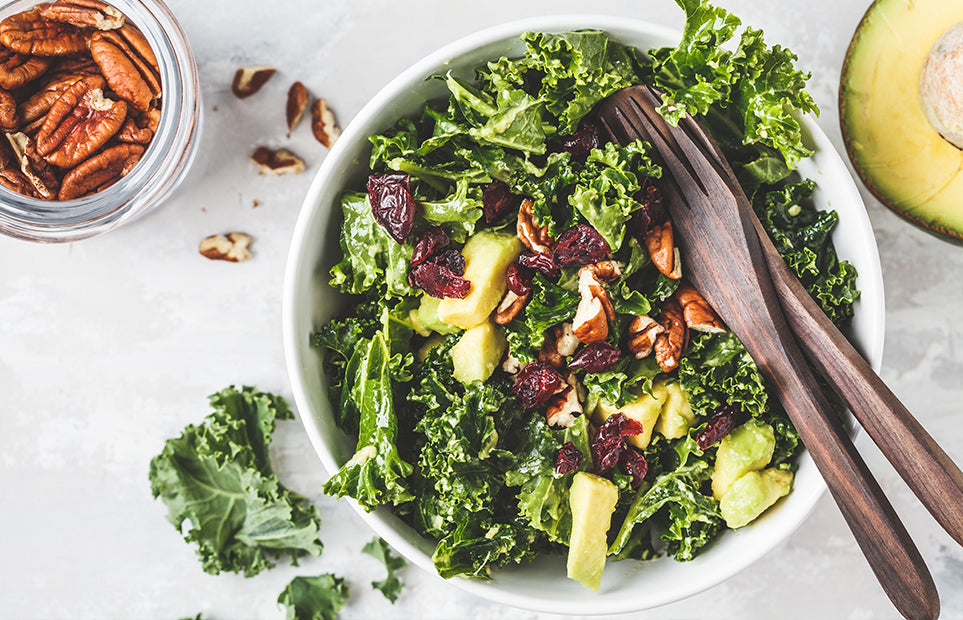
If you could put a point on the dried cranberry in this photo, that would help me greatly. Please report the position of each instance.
(652, 211)
(568, 459)
(536, 383)
(607, 445)
(391, 203)
(429, 243)
(540, 262)
(718, 426)
(438, 280)
(497, 200)
(581, 143)
(519, 279)
(596, 357)
(634, 464)
(580, 245)
(452, 260)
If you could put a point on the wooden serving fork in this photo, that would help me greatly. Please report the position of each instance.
(712, 220)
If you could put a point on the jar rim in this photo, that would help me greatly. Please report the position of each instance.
(157, 173)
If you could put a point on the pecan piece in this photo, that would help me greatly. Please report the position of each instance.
(698, 314)
(564, 406)
(139, 128)
(84, 13)
(671, 343)
(643, 331)
(276, 162)
(231, 247)
(249, 80)
(29, 33)
(660, 243)
(323, 125)
(9, 118)
(79, 123)
(18, 69)
(595, 310)
(534, 237)
(129, 65)
(296, 104)
(38, 172)
(558, 345)
(16, 181)
(100, 171)
(509, 307)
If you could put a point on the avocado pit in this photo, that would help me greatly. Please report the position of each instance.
(941, 86)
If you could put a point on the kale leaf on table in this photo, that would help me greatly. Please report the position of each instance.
(390, 586)
(217, 478)
(314, 598)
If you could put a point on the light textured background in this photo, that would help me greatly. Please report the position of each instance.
(111, 345)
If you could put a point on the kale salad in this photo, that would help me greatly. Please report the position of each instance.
(523, 364)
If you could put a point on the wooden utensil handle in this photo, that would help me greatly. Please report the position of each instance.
(894, 558)
(932, 475)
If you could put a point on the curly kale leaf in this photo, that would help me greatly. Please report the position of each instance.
(479, 543)
(575, 71)
(758, 85)
(716, 369)
(607, 185)
(217, 477)
(543, 496)
(371, 257)
(549, 305)
(693, 518)
(314, 598)
(390, 586)
(376, 473)
(802, 235)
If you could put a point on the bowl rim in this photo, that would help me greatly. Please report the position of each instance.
(382, 521)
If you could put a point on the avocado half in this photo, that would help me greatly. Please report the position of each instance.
(897, 153)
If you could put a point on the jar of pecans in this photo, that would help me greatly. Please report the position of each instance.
(100, 115)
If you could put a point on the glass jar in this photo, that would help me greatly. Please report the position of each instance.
(161, 168)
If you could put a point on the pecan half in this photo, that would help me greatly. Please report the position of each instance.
(129, 65)
(84, 13)
(9, 118)
(509, 307)
(249, 80)
(276, 162)
(18, 69)
(671, 343)
(39, 103)
(534, 237)
(296, 104)
(323, 125)
(79, 123)
(139, 128)
(558, 345)
(643, 331)
(698, 314)
(660, 243)
(29, 33)
(231, 247)
(100, 171)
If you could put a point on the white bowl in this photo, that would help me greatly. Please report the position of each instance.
(308, 302)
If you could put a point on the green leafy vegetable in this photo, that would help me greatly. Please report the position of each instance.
(314, 598)
(218, 478)
(757, 85)
(390, 586)
(376, 474)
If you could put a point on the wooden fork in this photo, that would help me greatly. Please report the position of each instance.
(725, 262)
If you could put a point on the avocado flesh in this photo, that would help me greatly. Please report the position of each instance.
(898, 155)
(592, 500)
